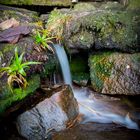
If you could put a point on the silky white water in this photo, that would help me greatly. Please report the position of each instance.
(63, 60)
(93, 108)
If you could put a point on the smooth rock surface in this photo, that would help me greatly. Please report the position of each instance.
(48, 116)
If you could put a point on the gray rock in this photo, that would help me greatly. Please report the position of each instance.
(48, 116)
(115, 73)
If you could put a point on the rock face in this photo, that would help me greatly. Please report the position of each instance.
(97, 26)
(38, 2)
(115, 73)
(22, 15)
(25, 43)
(48, 116)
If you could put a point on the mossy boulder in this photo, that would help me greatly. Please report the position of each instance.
(97, 28)
(115, 73)
(38, 2)
(22, 15)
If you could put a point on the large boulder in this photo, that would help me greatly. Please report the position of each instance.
(52, 114)
(38, 2)
(89, 25)
(115, 73)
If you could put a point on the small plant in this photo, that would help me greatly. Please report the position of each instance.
(43, 39)
(16, 71)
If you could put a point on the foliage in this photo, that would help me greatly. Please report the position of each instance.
(15, 71)
(43, 39)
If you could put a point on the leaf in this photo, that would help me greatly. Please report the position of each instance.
(22, 72)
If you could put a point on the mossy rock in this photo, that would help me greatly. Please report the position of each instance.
(102, 28)
(8, 97)
(81, 6)
(37, 2)
(115, 73)
(133, 5)
(112, 6)
(22, 15)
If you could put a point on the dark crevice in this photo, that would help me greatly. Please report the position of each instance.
(37, 8)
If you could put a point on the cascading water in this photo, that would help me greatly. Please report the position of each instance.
(94, 108)
(63, 60)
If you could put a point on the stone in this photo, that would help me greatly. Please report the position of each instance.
(21, 15)
(12, 35)
(115, 73)
(96, 28)
(8, 24)
(52, 114)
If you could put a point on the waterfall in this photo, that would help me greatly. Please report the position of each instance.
(94, 109)
(63, 60)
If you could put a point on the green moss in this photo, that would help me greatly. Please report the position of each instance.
(100, 69)
(37, 2)
(82, 6)
(134, 4)
(78, 65)
(18, 2)
(112, 6)
(49, 67)
(135, 58)
(8, 98)
(85, 38)
(80, 76)
(56, 23)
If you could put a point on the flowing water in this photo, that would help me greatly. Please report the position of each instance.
(95, 107)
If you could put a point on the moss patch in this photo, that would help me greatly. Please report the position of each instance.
(37, 2)
(100, 69)
(134, 4)
(8, 98)
(82, 6)
(56, 23)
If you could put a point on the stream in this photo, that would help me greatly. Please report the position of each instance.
(95, 109)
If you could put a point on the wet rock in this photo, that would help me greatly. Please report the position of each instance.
(38, 2)
(115, 73)
(97, 131)
(47, 67)
(97, 27)
(48, 116)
